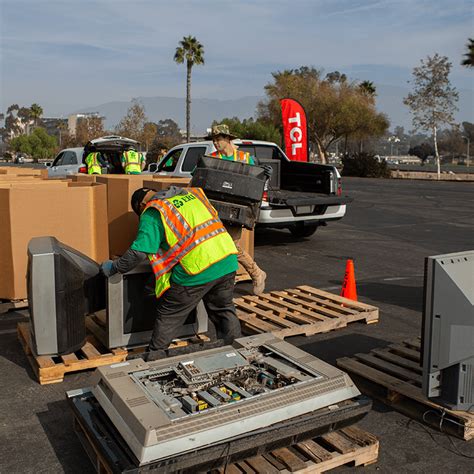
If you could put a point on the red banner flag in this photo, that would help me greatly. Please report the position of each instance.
(295, 130)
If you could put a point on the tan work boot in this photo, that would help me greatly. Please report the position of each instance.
(259, 282)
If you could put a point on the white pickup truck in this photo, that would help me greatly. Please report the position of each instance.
(300, 197)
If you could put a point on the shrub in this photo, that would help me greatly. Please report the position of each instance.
(364, 165)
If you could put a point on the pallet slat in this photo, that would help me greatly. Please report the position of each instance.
(301, 311)
(8, 305)
(392, 375)
(49, 371)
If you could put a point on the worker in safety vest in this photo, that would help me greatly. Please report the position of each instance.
(225, 150)
(193, 259)
(94, 162)
(132, 161)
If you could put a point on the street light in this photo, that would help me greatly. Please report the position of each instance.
(468, 140)
(393, 139)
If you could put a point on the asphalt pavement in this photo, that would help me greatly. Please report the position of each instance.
(389, 229)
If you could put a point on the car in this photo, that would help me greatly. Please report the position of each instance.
(72, 160)
(300, 197)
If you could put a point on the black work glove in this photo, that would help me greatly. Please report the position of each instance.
(268, 171)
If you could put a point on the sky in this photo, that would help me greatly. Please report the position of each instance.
(71, 54)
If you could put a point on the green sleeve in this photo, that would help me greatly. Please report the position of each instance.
(150, 232)
(251, 160)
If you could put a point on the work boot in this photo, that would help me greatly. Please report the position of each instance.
(259, 282)
(257, 275)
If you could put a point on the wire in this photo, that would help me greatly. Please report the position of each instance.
(455, 449)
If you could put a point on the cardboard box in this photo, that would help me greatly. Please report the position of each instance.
(123, 222)
(74, 213)
(23, 171)
(84, 178)
(160, 183)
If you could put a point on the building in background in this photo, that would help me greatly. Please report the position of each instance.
(74, 119)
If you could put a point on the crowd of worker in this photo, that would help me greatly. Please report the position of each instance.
(193, 255)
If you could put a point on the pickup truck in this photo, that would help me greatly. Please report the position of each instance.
(300, 196)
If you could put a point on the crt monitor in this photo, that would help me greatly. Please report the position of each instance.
(64, 286)
(448, 330)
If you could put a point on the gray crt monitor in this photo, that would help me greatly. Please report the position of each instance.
(448, 330)
(184, 403)
(131, 310)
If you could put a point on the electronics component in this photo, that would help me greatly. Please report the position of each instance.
(171, 406)
(448, 330)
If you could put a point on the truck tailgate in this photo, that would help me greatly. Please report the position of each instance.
(297, 198)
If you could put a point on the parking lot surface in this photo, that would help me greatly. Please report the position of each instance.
(389, 229)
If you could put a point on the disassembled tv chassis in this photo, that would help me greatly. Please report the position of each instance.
(181, 404)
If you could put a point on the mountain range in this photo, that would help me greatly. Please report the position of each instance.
(205, 111)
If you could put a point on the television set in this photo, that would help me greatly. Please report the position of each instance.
(64, 285)
(130, 312)
(235, 189)
(448, 330)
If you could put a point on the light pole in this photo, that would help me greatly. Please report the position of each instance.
(393, 139)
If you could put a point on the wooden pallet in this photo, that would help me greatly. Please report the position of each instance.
(393, 375)
(8, 305)
(300, 311)
(348, 446)
(51, 369)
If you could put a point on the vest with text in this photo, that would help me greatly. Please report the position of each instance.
(196, 237)
(132, 162)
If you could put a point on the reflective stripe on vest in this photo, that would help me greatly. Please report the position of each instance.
(196, 237)
(132, 162)
(242, 156)
(93, 165)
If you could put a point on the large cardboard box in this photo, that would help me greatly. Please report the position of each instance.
(160, 183)
(23, 171)
(74, 213)
(123, 222)
(84, 178)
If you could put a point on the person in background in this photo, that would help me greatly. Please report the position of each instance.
(193, 259)
(225, 150)
(133, 162)
(94, 162)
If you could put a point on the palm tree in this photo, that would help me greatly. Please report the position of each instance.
(36, 111)
(191, 51)
(469, 56)
(367, 88)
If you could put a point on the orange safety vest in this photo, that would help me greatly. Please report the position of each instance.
(188, 229)
(242, 156)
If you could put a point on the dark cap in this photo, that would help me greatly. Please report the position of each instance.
(137, 198)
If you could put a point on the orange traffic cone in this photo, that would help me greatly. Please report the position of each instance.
(349, 284)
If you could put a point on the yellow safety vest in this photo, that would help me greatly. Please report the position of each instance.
(196, 237)
(242, 156)
(132, 162)
(93, 165)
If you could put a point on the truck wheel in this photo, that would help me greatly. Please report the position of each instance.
(301, 230)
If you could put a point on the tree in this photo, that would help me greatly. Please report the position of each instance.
(38, 144)
(148, 134)
(433, 100)
(336, 76)
(36, 111)
(468, 61)
(167, 133)
(191, 51)
(451, 141)
(422, 151)
(368, 88)
(133, 124)
(334, 109)
(87, 129)
(253, 129)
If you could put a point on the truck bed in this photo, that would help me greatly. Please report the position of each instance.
(282, 197)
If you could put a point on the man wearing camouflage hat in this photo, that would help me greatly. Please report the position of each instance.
(226, 150)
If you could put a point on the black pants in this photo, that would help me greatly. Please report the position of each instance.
(178, 301)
